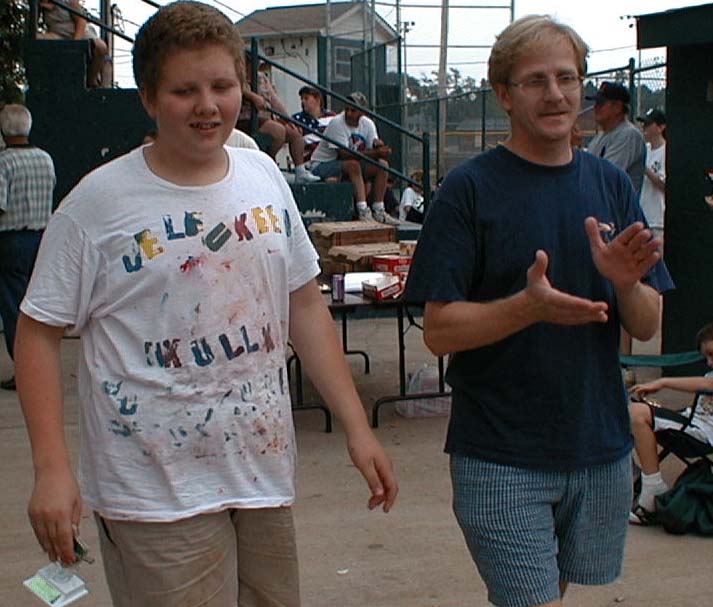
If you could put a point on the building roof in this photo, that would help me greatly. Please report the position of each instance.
(298, 20)
(682, 26)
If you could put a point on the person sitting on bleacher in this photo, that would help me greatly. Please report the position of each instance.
(646, 419)
(356, 132)
(314, 116)
(279, 130)
(63, 25)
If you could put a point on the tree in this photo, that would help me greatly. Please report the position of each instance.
(13, 14)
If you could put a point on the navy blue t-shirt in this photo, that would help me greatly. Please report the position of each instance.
(549, 396)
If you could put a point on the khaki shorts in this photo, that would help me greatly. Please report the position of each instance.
(235, 557)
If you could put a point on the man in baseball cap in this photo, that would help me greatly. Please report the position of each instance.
(653, 192)
(356, 132)
(619, 142)
(610, 91)
(314, 116)
(653, 116)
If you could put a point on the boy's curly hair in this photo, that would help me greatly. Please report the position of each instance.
(177, 26)
(704, 334)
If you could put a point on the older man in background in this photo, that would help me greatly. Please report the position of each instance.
(27, 180)
(622, 144)
(619, 141)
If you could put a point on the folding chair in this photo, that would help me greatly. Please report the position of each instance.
(683, 446)
(671, 441)
(677, 442)
(676, 359)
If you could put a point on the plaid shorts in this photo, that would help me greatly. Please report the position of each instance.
(527, 530)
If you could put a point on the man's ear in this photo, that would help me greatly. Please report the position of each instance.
(502, 94)
(147, 102)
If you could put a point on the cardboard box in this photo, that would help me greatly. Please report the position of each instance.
(407, 247)
(383, 287)
(358, 257)
(391, 264)
(328, 234)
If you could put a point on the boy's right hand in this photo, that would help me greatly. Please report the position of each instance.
(371, 460)
(55, 509)
(646, 388)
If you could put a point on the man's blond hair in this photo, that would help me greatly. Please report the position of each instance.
(527, 33)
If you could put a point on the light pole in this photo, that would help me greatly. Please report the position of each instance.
(405, 27)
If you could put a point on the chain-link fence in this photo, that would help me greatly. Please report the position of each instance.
(465, 124)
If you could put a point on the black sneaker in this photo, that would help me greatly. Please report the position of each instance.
(8, 384)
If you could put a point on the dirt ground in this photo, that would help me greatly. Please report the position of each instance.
(350, 557)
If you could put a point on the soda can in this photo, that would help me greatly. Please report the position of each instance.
(337, 287)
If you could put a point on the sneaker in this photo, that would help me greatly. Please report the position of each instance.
(384, 217)
(8, 384)
(364, 214)
(641, 516)
(304, 176)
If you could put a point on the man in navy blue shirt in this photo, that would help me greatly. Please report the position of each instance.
(531, 255)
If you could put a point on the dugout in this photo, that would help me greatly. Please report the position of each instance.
(687, 34)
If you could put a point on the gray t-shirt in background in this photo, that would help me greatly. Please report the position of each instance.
(625, 148)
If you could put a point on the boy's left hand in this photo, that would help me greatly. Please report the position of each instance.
(375, 466)
(627, 258)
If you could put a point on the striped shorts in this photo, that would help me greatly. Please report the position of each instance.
(527, 530)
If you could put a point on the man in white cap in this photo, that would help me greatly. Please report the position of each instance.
(356, 132)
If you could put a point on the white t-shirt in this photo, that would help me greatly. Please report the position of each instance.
(410, 198)
(238, 139)
(358, 138)
(181, 298)
(653, 200)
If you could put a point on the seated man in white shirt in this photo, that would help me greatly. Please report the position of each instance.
(356, 132)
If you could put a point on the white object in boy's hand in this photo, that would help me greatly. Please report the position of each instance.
(56, 585)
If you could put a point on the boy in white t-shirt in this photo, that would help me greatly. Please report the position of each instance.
(411, 205)
(653, 190)
(184, 267)
(647, 419)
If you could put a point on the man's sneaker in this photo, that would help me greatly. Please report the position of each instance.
(364, 214)
(304, 176)
(384, 217)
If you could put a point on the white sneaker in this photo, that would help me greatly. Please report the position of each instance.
(304, 176)
(364, 214)
(384, 217)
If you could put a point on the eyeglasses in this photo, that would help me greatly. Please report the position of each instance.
(567, 83)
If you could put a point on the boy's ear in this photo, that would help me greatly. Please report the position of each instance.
(147, 102)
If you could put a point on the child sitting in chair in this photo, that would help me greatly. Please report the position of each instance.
(647, 418)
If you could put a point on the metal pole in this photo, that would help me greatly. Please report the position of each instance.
(482, 119)
(372, 57)
(426, 170)
(365, 62)
(638, 89)
(254, 120)
(443, 81)
(328, 47)
(632, 84)
(438, 137)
